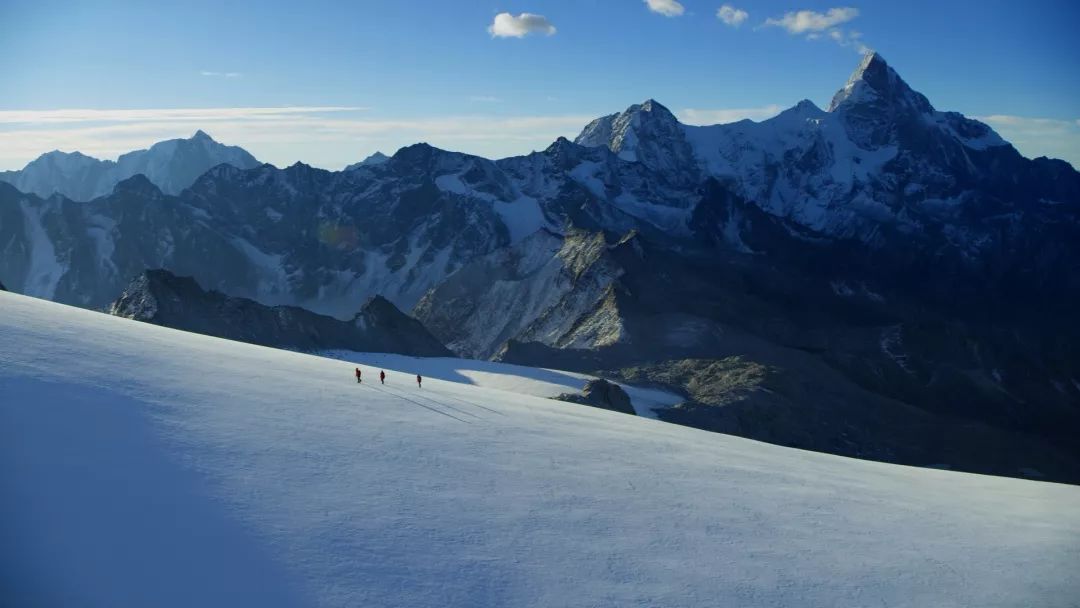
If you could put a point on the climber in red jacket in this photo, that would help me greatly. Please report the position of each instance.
(358, 375)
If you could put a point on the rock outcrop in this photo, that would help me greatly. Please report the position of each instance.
(602, 394)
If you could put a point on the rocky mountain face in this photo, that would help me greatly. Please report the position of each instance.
(171, 165)
(902, 280)
(298, 236)
(162, 298)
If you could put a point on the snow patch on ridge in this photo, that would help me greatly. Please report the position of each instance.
(45, 270)
(451, 183)
(522, 217)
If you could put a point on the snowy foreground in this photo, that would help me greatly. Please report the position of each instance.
(141, 466)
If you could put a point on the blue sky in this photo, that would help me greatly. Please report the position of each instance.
(330, 82)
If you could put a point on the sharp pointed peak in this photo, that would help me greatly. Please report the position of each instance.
(872, 67)
(874, 79)
(803, 108)
(650, 105)
(200, 135)
(870, 59)
(560, 142)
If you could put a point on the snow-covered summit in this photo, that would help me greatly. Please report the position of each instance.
(647, 133)
(171, 165)
(875, 81)
(620, 132)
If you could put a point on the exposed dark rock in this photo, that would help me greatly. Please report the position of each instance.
(159, 297)
(602, 394)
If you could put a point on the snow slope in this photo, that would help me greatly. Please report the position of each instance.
(145, 466)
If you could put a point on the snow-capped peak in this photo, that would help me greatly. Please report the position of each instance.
(873, 81)
(620, 132)
(647, 133)
(64, 161)
(799, 113)
(653, 106)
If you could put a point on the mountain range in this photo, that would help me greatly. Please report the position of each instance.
(877, 279)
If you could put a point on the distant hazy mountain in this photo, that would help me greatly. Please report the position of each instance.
(171, 165)
(375, 159)
(162, 298)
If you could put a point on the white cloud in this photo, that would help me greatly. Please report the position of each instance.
(801, 22)
(815, 26)
(693, 116)
(321, 137)
(506, 25)
(731, 15)
(1042, 125)
(667, 8)
(221, 74)
(1033, 137)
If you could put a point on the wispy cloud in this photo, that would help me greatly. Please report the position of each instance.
(692, 116)
(801, 22)
(485, 99)
(220, 74)
(323, 136)
(732, 16)
(34, 117)
(849, 38)
(667, 8)
(816, 26)
(1051, 137)
(506, 25)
